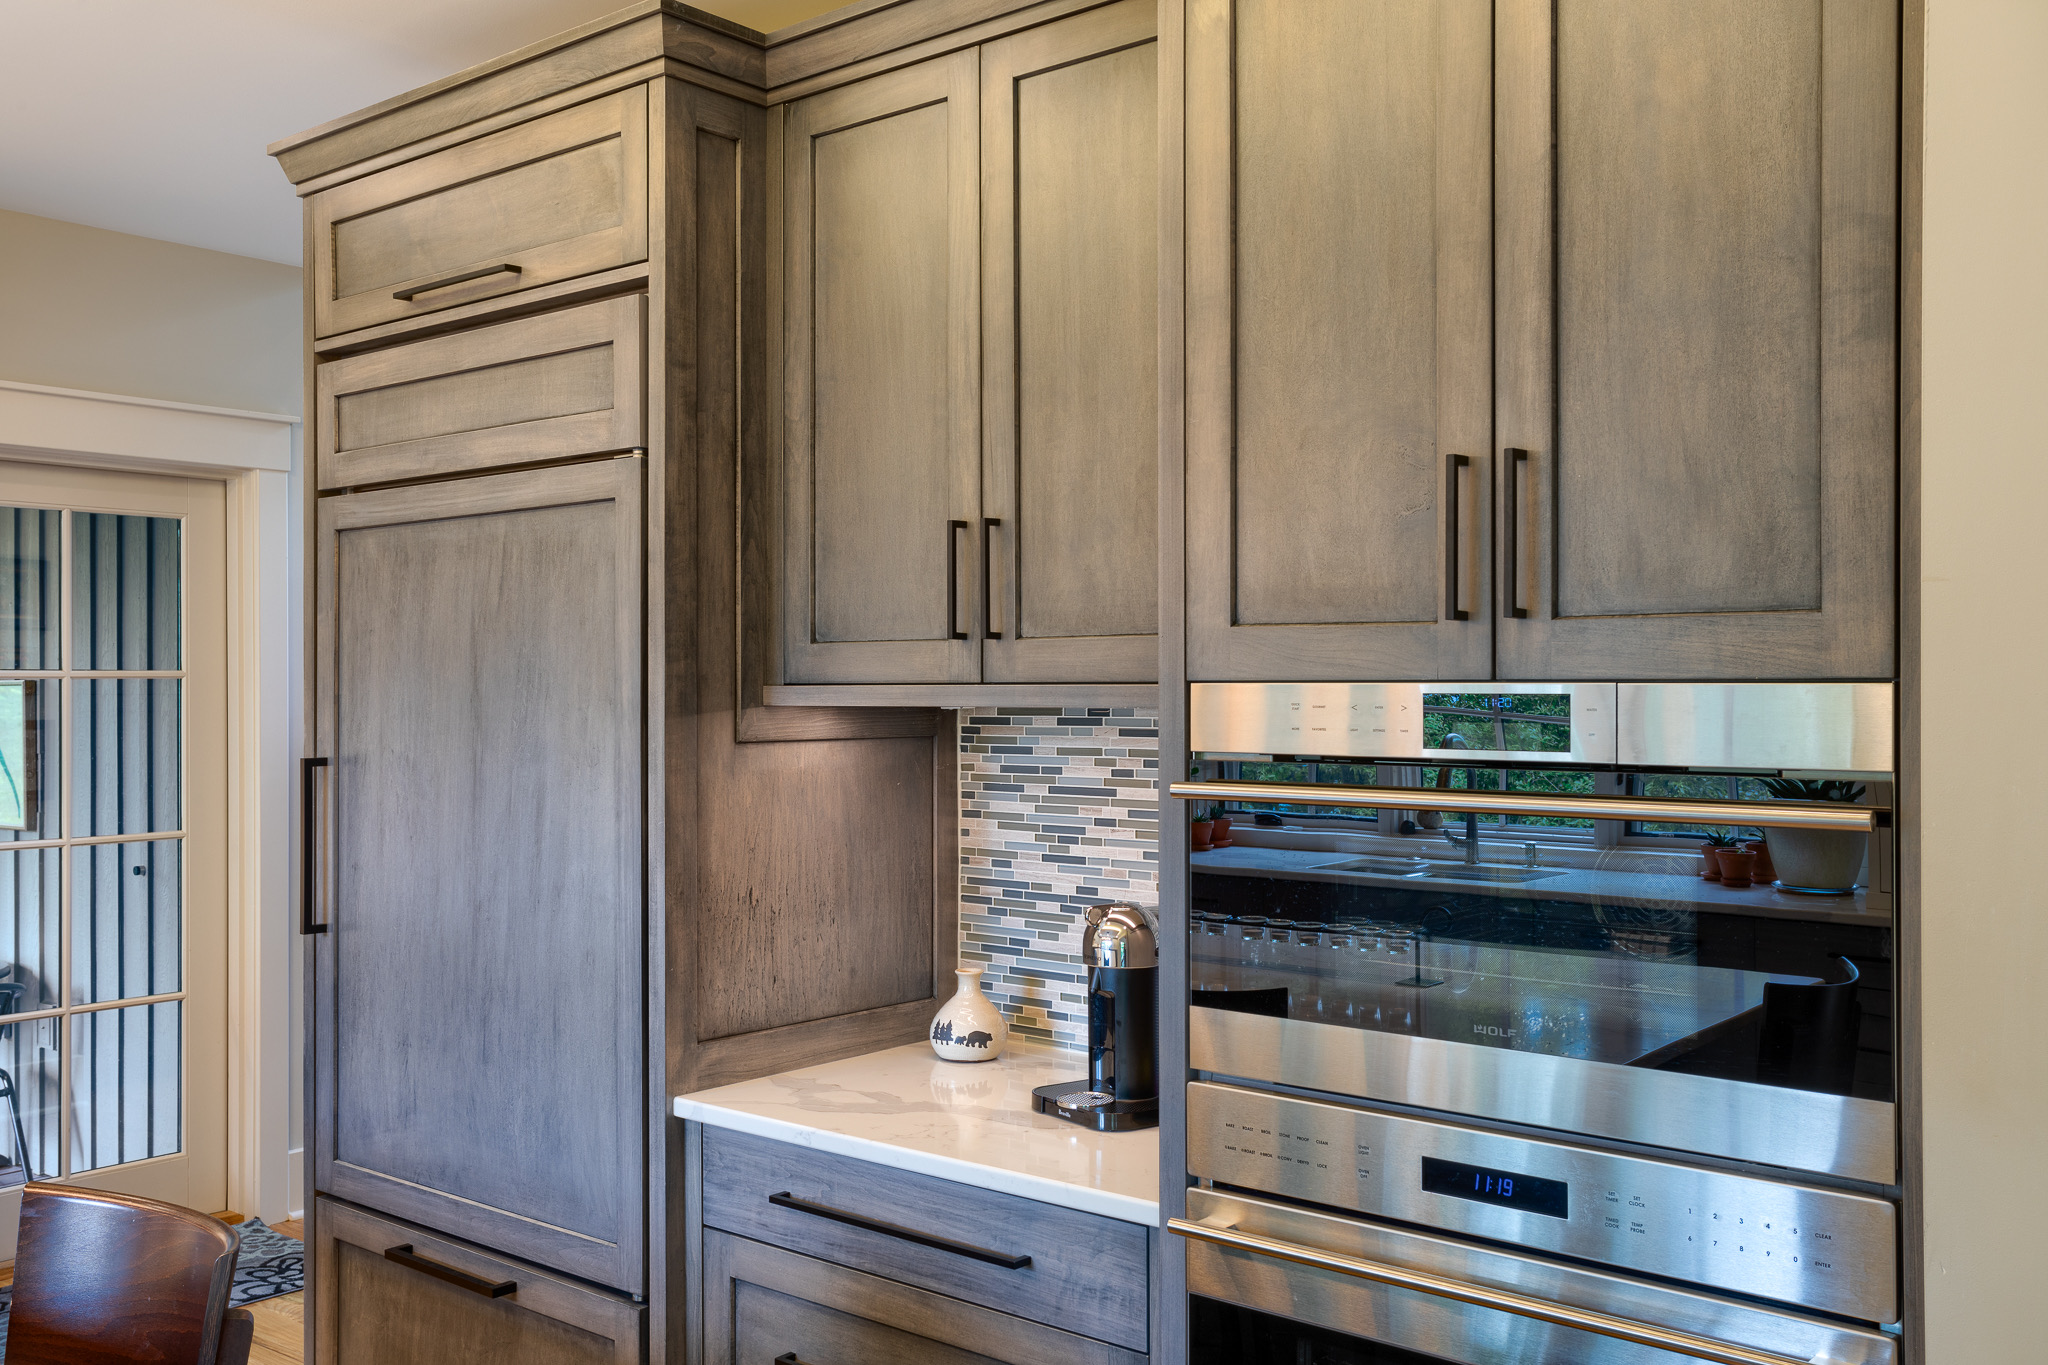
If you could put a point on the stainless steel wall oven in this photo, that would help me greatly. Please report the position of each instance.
(1579, 993)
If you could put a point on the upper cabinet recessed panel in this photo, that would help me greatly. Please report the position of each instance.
(1688, 307)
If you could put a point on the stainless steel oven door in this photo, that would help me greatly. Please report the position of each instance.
(1574, 958)
(1799, 1130)
(1448, 1301)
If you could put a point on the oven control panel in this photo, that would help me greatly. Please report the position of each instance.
(1821, 1249)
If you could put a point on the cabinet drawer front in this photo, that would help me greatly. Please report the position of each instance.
(542, 388)
(1087, 1274)
(764, 1304)
(435, 1305)
(767, 1325)
(562, 196)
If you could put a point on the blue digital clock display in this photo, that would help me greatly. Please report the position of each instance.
(1484, 1185)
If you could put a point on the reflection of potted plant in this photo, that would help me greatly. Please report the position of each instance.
(1200, 830)
(1738, 865)
(1710, 855)
(1765, 872)
(1219, 828)
(1820, 862)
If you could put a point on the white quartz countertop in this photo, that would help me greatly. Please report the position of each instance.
(972, 1122)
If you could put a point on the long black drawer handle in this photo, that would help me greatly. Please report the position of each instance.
(461, 1279)
(953, 530)
(1452, 464)
(410, 292)
(1511, 537)
(309, 846)
(989, 630)
(923, 1239)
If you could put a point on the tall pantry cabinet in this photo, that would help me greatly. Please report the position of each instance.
(1534, 339)
(560, 864)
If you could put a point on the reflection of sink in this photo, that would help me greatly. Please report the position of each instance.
(1483, 872)
(1382, 866)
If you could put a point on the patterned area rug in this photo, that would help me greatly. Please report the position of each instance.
(269, 1264)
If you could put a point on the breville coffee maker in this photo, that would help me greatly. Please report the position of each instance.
(1122, 1087)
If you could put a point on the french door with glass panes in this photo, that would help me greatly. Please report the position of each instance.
(113, 839)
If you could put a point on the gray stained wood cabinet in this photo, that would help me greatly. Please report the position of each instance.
(560, 868)
(970, 369)
(881, 202)
(1697, 323)
(477, 1062)
(392, 1293)
(557, 386)
(1540, 341)
(545, 200)
(1085, 1273)
(836, 1277)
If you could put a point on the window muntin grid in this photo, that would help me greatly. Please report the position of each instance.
(91, 607)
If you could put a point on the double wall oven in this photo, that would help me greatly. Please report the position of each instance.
(1499, 1059)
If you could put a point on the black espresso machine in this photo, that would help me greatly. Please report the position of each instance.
(1121, 1090)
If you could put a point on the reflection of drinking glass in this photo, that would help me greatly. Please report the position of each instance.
(1457, 960)
(1251, 940)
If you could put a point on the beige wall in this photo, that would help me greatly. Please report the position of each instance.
(1984, 639)
(83, 308)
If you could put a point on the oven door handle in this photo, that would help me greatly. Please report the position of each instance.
(1543, 1310)
(1652, 809)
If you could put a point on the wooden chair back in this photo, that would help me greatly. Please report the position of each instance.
(1810, 1033)
(107, 1279)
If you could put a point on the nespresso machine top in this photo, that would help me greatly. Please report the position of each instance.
(1119, 936)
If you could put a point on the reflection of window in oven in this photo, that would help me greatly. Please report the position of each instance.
(1304, 774)
(1536, 723)
(1696, 787)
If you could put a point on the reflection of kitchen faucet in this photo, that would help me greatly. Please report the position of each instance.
(1470, 843)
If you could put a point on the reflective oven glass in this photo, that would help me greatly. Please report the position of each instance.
(1593, 940)
(1228, 1334)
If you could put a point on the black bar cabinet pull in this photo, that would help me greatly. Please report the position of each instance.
(788, 1358)
(988, 580)
(953, 530)
(1452, 465)
(411, 292)
(923, 1239)
(461, 1279)
(1510, 538)
(309, 839)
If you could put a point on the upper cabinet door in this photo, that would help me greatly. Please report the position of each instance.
(562, 196)
(1070, 300)
(1696, 337)
(1339, 338)
(882, 374)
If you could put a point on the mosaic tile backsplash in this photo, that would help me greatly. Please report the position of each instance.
(1059, 810)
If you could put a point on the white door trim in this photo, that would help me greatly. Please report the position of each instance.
(256, 454)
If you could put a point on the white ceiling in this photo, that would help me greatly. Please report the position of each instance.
(150, 117)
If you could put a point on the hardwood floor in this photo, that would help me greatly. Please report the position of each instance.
(280, 1330)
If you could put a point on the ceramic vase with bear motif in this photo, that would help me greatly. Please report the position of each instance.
(969, 1028)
